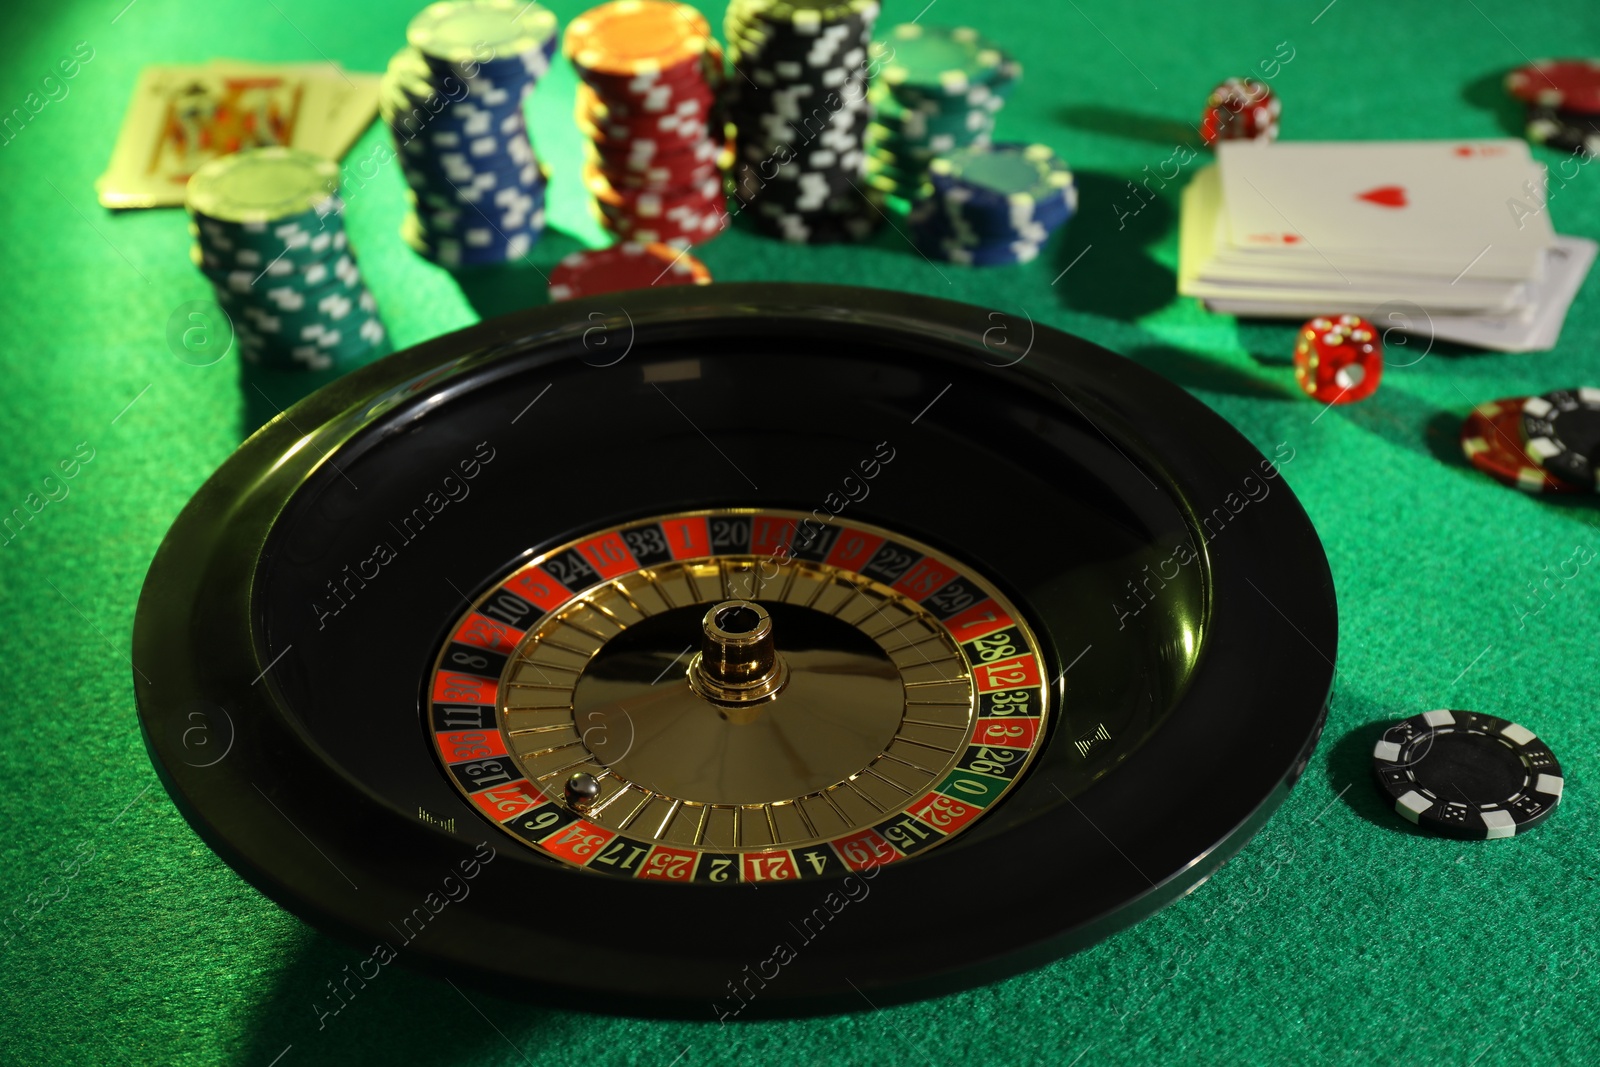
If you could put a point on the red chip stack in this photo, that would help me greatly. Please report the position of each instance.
(651, 74)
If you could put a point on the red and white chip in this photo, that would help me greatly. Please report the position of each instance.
(1568, 84)
(1491, 439)
(625, 266)
(682, 227)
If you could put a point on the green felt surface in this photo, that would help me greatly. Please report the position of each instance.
(1338, 936)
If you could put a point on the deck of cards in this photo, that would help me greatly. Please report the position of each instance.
(182, 117)
(1451, 239)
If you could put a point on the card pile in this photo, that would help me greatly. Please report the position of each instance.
(180, 118)
(1447, 239)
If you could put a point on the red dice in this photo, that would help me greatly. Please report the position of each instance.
(1338, 360)
(1240, 109)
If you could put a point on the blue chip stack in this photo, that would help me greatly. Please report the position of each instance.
(269, 234)
(453, 101)
(993, 206)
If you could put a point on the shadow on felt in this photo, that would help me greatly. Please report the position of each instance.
(1103, 265)
(399, 1016)
(1130, 125)
(1349, 764)
(500, 290)
(1488, 93)
(265, 394)
(1195, 371)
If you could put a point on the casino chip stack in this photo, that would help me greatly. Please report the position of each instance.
(1493, 442)
(937, 92)
(995, 206)
(798, 102)
(269, 233)
(477, 192)
(1540, 444)
(651, 74)
(1563, 102)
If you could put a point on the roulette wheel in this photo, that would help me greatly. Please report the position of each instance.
(749, 650)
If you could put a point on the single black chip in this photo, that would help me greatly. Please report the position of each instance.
(1469, 775)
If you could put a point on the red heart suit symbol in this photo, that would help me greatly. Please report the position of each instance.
(1385, 196)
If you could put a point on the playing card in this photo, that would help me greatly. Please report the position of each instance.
(1537, 329)
(1472, 207)
(1201, 229)
(180, 117)
(1567, 264)
(1456, 268)
(335, 114)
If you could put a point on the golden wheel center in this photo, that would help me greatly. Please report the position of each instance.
(672, 705)
(734, 741)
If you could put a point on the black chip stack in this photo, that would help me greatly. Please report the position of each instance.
(797, 98)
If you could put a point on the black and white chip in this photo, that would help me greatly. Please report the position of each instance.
(1465, 774)
(1563, 433)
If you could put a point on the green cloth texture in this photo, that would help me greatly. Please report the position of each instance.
(1340, 935)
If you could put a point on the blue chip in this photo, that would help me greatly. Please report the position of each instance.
(1007, 175)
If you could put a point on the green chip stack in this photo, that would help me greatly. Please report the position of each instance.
(269, 234)
(936, 91)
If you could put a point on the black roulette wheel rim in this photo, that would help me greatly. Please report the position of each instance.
(233, 719)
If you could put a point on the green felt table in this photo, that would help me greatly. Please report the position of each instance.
(1339, 935)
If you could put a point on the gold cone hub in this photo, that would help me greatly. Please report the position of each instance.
(746, 724)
